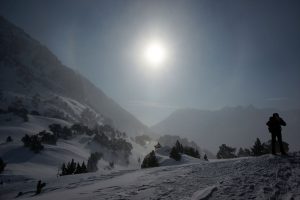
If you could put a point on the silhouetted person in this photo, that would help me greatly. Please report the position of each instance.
(274, 125)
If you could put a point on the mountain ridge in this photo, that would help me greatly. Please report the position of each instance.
(28, 67)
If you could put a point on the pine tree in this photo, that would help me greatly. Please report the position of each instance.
(247, 152)
(157, 146)
(83, 168)
(258, 148)
(26, 140)
(92, 162)
(71, 167)
(175, 154)
(150, 160)
(2, 165)
(226, 152)
(197, 155)
(9, 139)
(179, 146)
(78, 169)
(63, 170)
(111, 164)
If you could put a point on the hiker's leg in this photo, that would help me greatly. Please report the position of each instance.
(273, 143)
(279, 136)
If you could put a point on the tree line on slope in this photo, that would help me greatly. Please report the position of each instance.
(75, 167)
(177, 150)
(35, 142)
(257, 149)
(104, 136)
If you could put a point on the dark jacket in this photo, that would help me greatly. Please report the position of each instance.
(274, 124)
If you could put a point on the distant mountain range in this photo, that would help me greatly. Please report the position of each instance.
(29, 71)
(235, 126)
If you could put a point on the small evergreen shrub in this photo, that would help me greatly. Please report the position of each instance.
(33, 143)
(150, 160)
(9, 139)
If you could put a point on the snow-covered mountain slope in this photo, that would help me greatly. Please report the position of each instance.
(29, 71)
(234, 126)
(22, 162)
(265, 177)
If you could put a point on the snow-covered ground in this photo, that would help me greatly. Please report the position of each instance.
(265, 177)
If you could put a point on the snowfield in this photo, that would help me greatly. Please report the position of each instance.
(264, 177)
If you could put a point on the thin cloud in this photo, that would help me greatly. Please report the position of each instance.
(277, 99)
(151, 104)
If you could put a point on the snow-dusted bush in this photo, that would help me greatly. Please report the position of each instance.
(61, 132)
(111, 139)
(48, 138)
(80, 129)
(33, 143)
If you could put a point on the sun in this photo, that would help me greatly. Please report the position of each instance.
(155, 53)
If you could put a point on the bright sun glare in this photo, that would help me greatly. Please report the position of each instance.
(155, 54)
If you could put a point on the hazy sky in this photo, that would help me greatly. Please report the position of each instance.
(220, 53)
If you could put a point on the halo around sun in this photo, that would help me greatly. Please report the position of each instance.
(155, 54)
